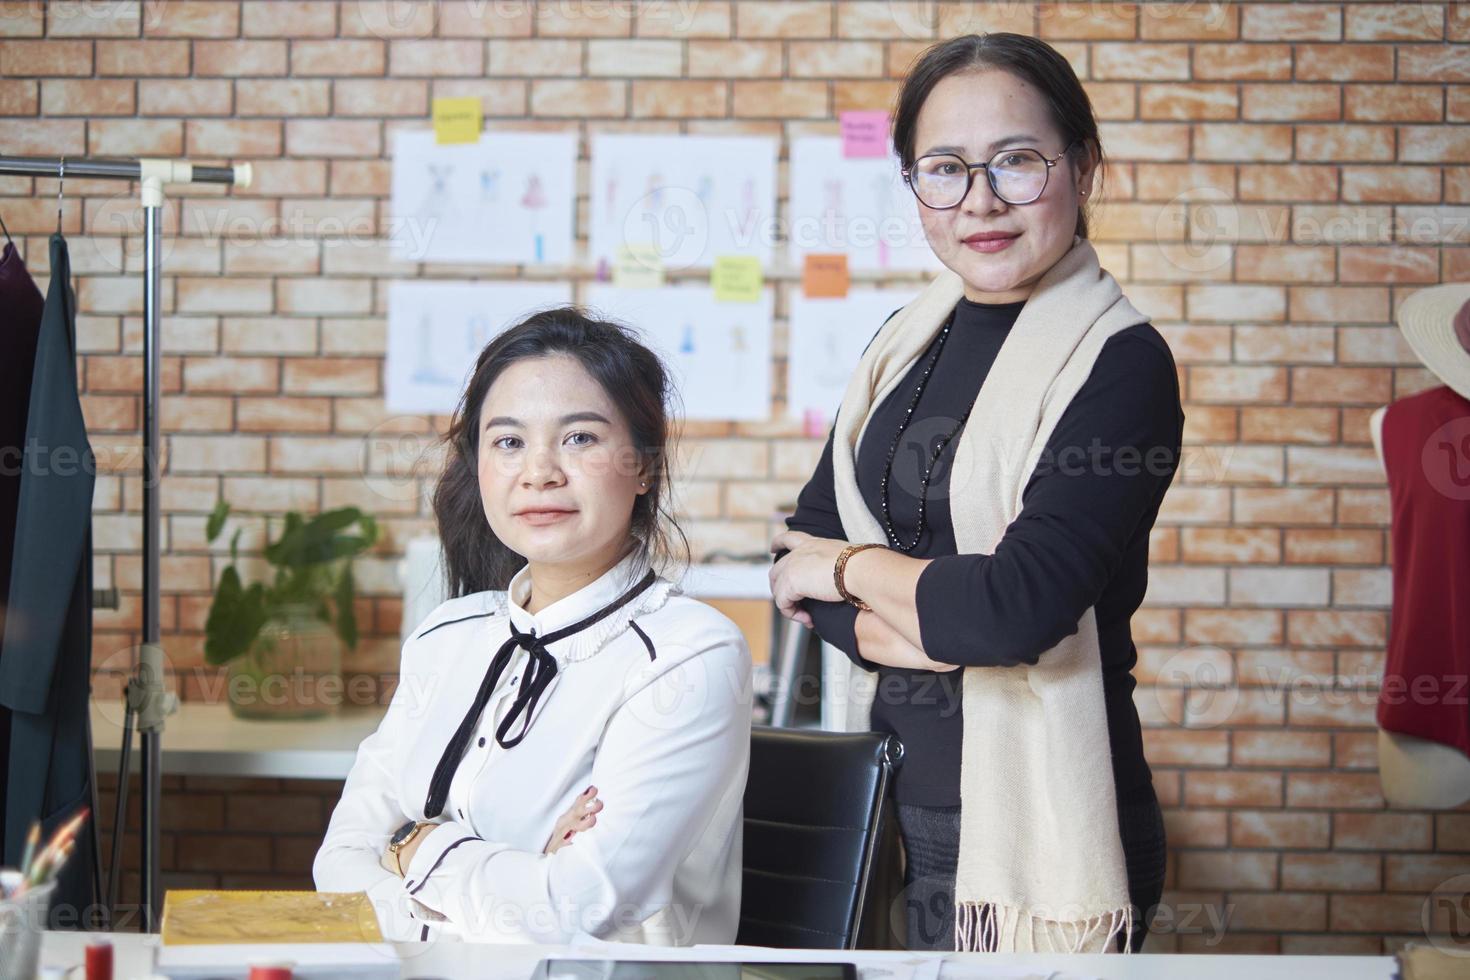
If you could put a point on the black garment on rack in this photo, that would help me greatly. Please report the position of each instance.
(20, 323)
(46, 651)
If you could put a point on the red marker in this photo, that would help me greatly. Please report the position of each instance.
(271, 972)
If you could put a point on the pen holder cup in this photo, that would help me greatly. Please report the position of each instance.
(22, 921)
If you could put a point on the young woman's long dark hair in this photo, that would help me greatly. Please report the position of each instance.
(637, 383)
(1028, 58)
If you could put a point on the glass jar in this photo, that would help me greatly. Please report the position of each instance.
(292, 670)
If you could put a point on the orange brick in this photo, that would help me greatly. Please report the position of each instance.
(1339, 627)
(471, 18)
(46, 58)
(1232, 789)
(1255, 828)
(1196, 100)
(387, 20)
(92, 97)
(1284, 263)
(133, 58)
(1227, 869)
(332, 138)
(683, 98)
(1434, 63)
(1434, 144)
(863, 95)
(1394, 22)
(836, 59)
(1335, 385)
(1138, 60)
(1344, 62)
(287, 18)
(1241, 62)
(735, 59)
(1242, 141)
(1294, 22)
(192, 18)
(234, 138)
(1331, 872)
(1388, 264)
(135, 137)
(1338, 304)
(1232, 626)
(1394, 103)
(1381, 831)
(1345, 142)
(407, 58)
(1296, 100)
(569, 20)
(184, 97)
(797, 18)
(1283, 505)
(1377, 913)
(1230, 545)
(1288, 425)
(1281, 911)
(1188, 22)
(1292, 182)
(1237, 384)
(585, 97)
(338, 57)
(330, 376)
(19, 97)
(241, 58)
(380, 97)
(1086, 22)
(787, 99)
(284, 97)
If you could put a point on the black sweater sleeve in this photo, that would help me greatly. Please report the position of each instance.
(1105, 469)
(816, 514)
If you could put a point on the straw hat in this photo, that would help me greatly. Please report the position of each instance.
(1436, 322)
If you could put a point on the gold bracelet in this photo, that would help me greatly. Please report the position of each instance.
(840, 568)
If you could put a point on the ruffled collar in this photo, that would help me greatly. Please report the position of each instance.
(595, 595)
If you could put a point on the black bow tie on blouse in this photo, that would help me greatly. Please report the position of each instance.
(540, 669)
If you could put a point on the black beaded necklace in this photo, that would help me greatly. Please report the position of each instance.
(933, 458)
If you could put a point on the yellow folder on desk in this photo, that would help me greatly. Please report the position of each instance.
(199, 917)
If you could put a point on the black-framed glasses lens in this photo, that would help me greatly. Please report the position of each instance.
(943, 180)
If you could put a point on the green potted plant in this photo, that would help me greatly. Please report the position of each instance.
(282, 640)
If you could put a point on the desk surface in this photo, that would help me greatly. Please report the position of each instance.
(208, 740)
(133, 958)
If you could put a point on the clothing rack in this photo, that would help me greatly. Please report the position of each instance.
(146, 697)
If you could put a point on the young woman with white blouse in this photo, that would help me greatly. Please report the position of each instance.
(566, 751)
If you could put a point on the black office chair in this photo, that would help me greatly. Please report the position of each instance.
(815, 812)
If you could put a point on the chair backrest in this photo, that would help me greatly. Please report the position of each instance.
(814, 803)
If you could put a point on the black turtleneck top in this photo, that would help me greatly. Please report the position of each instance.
(1081, 539)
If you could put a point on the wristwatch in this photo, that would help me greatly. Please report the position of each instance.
(401, 837)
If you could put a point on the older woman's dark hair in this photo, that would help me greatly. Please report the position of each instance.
(636, 381)
(1029, 59)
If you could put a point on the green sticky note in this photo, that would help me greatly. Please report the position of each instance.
(457, 120)
(638, 266)
(736, 279)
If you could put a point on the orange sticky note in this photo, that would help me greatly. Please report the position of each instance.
(825, 276)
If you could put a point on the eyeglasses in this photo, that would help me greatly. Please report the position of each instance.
(1017, 176)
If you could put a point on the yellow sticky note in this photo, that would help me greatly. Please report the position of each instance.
(457, 120)
(825, 276)
(638, 267)
(736, 279)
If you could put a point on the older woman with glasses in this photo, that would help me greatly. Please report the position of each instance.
(976, 534)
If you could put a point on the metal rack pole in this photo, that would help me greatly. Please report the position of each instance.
(146, 695)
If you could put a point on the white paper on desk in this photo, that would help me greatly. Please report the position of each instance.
(510, 198)
(436, 330)
(310, 961)
(859, 206)
(719, 353)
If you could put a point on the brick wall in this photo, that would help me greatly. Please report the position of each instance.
(1283, 175)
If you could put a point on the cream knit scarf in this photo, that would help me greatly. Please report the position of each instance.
(1040, 864)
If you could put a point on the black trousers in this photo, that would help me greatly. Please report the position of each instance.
(931, 840)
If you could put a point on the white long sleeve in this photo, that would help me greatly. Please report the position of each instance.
(652, 706)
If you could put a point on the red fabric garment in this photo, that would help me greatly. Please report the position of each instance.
(1426, 450)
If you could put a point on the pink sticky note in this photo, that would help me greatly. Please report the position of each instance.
(864, 133)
